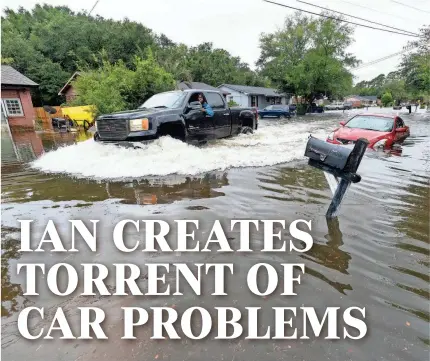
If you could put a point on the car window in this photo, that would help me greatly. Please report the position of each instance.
(399, 123)
(270, 107)
(215, 100)
(381, 124)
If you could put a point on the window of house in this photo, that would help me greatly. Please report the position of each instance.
(215, 100)
(13, 107)
(254, 101)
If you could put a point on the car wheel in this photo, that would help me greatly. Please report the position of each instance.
(246, 130)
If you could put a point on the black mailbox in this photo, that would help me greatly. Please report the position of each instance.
(331, 155)
(338, 161)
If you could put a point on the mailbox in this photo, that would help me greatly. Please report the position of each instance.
(339, 164)
(330, 155)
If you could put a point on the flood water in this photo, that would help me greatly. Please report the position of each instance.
(374, 255)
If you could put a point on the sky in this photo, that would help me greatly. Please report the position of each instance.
(236, 25)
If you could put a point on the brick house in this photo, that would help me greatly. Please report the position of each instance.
(16, 104)
(68, 90)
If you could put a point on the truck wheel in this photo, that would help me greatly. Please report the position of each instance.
(246, 130)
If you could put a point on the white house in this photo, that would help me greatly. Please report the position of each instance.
(251, 96)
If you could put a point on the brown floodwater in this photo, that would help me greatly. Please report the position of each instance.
(374, 255)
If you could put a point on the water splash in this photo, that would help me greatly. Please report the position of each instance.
(273, 143)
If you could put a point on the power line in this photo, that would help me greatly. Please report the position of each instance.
(93, 7)
(411, 7)
(378, 11)
(337, 19)
(382, 59)
(356, 17)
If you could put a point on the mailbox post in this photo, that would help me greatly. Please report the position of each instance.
(339, 164)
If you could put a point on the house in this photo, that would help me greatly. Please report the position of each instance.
(359, 100)
(68, 90)
(251, 96)
(16, 104)
(369, 100)
(183, 85)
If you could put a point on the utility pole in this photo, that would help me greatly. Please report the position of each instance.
(95, 4)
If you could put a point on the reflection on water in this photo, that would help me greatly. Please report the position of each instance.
(376, 254)
(295, 183)
(12, 299)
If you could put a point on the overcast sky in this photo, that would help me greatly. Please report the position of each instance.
(236, 25)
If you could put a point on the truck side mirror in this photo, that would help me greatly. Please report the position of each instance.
(339, 165)
(195, 105)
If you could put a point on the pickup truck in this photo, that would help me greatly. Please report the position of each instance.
(177, 114)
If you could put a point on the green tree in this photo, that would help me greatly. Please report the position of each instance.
(415, 66)
(308, 57)
(48, 44)
(386, 99)
(115, 87)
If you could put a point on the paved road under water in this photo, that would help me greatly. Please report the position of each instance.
(375, 255)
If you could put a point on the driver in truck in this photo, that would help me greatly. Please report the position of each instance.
(205, 106)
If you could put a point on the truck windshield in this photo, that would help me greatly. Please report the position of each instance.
(165, 100)
(380, 124)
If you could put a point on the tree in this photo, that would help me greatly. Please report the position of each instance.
(308, 57)
(115, 87)
(48, 44)
(415, 66)
(386, 99)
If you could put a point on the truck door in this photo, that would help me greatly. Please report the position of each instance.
(222, 118)
(199, 125)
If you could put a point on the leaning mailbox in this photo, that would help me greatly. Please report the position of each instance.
(339, 164)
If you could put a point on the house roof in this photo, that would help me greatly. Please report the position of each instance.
(68, 84)
(369, 97)
(10, 76)
(254, 90)
(183, 85)
(363, 97)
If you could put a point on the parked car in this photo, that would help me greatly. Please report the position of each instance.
(275, 111)
(338, 106)
(334, 106)
(347, 105)
(382, 131)
(177, 114)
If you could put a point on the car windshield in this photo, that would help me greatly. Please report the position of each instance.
(165, 100)
(379, 124)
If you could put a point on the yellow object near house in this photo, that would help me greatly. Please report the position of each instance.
(79, 114)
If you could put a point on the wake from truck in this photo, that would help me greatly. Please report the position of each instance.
(273, 143)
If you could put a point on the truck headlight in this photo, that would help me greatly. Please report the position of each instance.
(331, 136)
(380, 143)
(96, 125)
(139, 124)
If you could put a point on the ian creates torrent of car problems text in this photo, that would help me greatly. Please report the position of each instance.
(167, 322)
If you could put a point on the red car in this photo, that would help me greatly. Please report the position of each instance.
(381, 130)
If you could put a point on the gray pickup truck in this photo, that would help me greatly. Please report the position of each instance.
(177, 114)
